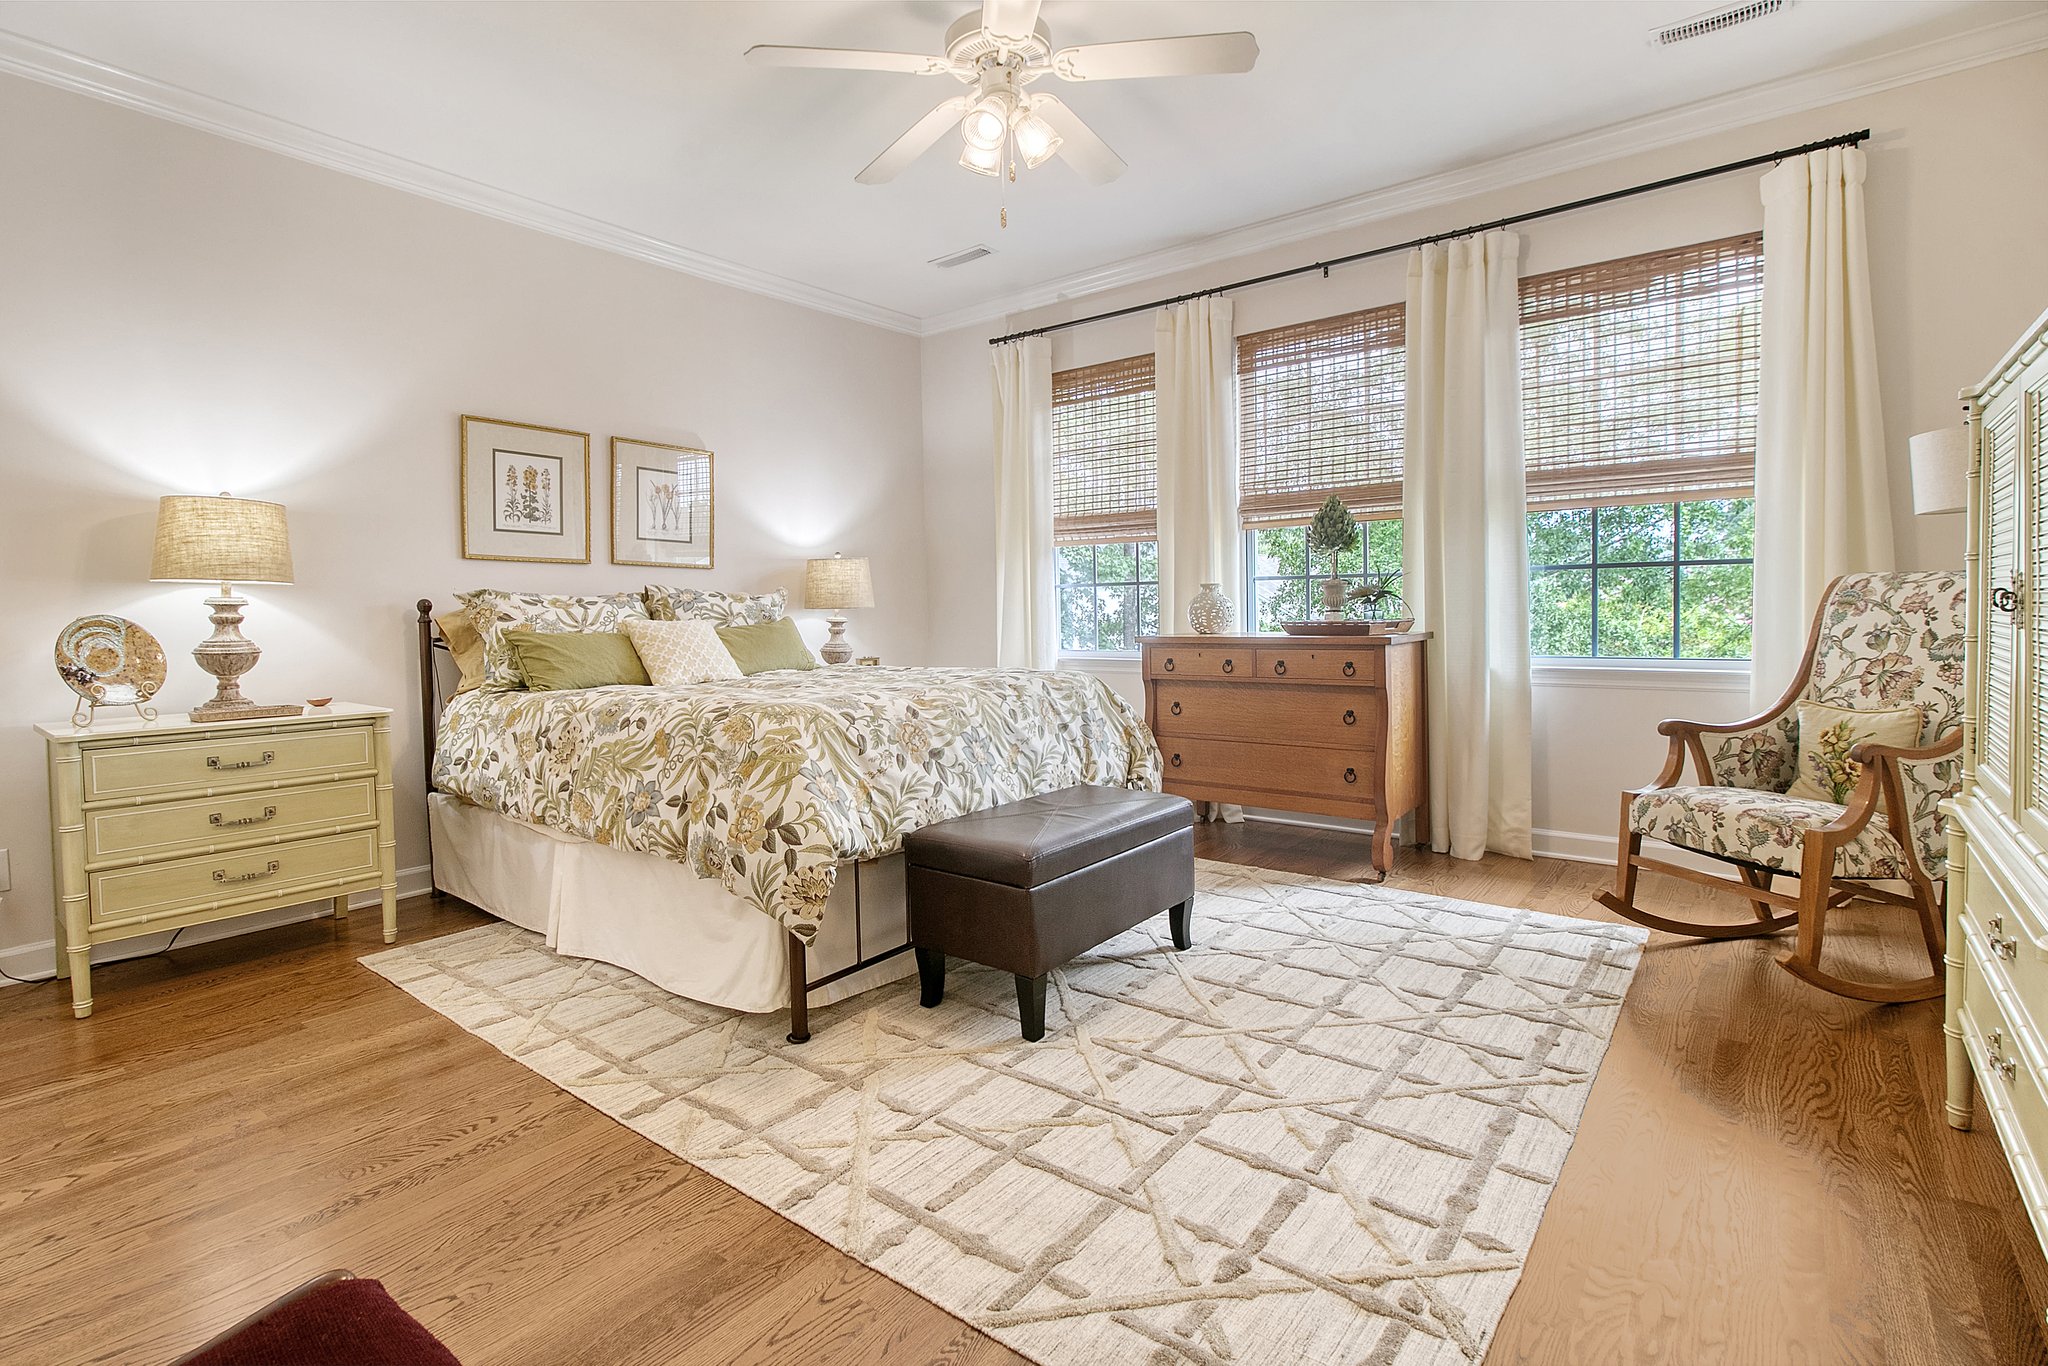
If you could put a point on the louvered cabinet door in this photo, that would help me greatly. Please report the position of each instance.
(2033, 714)
(2000, 661)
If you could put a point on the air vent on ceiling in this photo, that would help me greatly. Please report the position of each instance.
(1713, 21)
(961, 258)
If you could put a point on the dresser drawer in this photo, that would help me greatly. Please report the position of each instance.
(2005, 1057)
(1322, 666)
(1276, 770)
(166, 829)
(223, 763)
(265, 872)
(1346, 718)
(1200, 663)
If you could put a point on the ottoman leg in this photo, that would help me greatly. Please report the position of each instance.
(931, 977)
(1031, 1006)
(1183, 934)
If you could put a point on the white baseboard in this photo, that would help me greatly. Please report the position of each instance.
(1571, 846)
(36, 961)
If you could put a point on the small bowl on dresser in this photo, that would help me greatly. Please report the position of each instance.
(319, 702)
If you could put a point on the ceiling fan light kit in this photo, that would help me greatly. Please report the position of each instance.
(999, 50)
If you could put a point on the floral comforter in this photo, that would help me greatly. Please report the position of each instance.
(765, 783)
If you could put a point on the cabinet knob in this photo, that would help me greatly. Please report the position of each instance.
(1350, 669)
(1280, 666)
(1175, 709)
(1350, 775)
(1350, 717)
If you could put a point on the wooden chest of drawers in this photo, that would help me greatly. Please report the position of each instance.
(1326, 724)
(162, 824)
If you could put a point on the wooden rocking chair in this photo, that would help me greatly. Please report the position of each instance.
(1879, 642)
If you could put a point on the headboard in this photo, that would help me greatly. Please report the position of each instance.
(430, 687)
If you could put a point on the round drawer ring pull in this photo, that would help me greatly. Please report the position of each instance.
(1280, 666)
(1350, 775)
(1350, 717)
(1350, 669)
(1168, 665)
(1176, 761)
(1175, 709)
(1230, 666)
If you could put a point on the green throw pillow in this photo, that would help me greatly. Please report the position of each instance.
(770, 645)
(551, 661)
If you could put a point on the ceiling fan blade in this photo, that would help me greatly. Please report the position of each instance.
(1012, 19)
(1086, 152)
(1198, 54)
(848, 59)
(912, 144)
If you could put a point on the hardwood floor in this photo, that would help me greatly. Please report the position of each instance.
(1762, 1175)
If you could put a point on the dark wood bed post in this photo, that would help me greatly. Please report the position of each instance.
(799, 991)
(430, 715)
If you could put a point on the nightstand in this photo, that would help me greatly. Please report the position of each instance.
(155, 825)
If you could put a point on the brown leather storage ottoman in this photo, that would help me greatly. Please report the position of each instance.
(1025, 887)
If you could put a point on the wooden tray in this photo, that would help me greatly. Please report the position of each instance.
(1347, 628)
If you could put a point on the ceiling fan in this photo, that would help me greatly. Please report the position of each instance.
(998, 52)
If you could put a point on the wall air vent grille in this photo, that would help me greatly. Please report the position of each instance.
(961, 258)
(1713, 21)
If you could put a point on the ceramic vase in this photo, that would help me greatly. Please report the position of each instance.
(1209, 612)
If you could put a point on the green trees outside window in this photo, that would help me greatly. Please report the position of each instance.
(1109, 595)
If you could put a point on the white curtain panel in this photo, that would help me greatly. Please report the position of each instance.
(1027, 615)
(1466, 559)
(1823, 497)
(1195, 373)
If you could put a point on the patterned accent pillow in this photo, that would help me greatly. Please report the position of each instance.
(465, 647)
(1827, 734)
(708, 604)
(678, 653)
(493, 612)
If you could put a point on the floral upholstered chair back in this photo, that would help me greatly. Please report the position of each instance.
(1886, 641)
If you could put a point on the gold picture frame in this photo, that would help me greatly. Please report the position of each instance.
(520, 484)
(664, 505)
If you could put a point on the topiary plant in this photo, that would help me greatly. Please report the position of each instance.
(1334, 532)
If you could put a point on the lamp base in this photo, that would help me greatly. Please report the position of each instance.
(227, 655)
(835, 650)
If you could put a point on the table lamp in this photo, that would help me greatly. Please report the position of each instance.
(831, 586)
(224, 541)
(1941, 469)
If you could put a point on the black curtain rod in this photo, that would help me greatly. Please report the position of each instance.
(1840, 140)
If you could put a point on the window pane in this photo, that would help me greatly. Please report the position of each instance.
(1635, 533)
(1116, 563)
(1281, 550)
(1635, 612)
(1561, 613)
(1351, 561)
(1281, 600)
(1561, 537)
(1148, 560)
(1148, 610)
(1714, 608)
(1077, 619)
(1383, 546)
(1077, 564)
(1718, 529)
(1115, 618)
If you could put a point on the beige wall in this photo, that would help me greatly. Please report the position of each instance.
(1957, 194)
(182, 313)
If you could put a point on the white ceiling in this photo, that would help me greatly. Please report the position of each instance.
(640, 127)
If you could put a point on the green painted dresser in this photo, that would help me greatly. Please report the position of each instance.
(155, 825)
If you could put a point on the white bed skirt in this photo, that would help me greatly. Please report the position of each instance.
(658, 919)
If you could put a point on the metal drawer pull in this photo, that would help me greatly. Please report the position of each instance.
(1350, 669)
(1168, 665)
(1175, 709)
(1350, 775)
(1280, 666)
(1230, 666)
(216, 819)
(268, 870)
(2007, 948)
(1350, 717)
(1994, 1044)
(213, 761)
(1176, 761)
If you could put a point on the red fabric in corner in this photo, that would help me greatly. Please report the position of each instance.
(346, 1323)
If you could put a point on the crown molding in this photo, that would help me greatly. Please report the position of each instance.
(23, 56)
(1723, 113)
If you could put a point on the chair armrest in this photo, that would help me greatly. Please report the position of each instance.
(1868, 753)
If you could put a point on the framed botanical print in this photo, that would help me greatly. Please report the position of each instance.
(662, 506)
(525, 492)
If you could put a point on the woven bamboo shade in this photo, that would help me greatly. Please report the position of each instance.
(220, 540)
(1105, 453)
(1322, 410)
(838, 583)
(1639, 376)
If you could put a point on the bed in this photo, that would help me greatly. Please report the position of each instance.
(738, 841)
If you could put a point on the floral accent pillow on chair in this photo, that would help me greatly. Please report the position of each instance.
(1827, 734)
(708, 604)
(493, 612)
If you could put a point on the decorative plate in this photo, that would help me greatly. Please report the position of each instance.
(110, 661)
(1347, 627)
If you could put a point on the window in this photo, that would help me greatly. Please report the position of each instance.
(1105, 479)
(1322, 410)
(1639, 397)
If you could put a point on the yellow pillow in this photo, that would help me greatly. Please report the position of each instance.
(465, 646)
(1826, 735)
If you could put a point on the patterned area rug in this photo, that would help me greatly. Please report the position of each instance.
(1324, 1135)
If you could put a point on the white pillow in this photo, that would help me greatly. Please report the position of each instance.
(681, 652)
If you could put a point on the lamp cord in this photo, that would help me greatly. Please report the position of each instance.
(158, 953)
